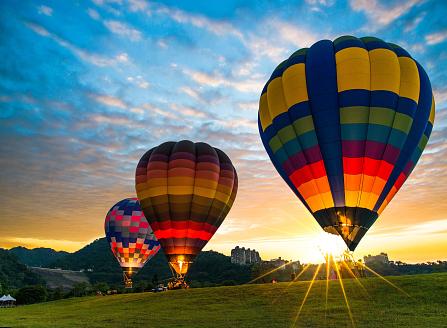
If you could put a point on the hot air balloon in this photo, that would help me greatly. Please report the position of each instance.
(186, 190)
(344, 124)
(130, 237)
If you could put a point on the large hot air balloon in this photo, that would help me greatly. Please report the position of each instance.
(186, 190)
(344, 124)
(131, 238)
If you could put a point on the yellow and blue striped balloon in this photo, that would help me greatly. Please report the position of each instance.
(345, 123)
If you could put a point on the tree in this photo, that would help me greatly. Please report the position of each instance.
(31, 294)
(103, 287)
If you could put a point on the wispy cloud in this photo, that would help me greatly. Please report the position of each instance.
(109, 100)
(45, 10)
(92, 58)
(123, 29)
(381, 14)
(435, 38)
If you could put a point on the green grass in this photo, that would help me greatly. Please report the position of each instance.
(264, 305)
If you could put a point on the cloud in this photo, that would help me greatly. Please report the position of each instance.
(123, 29)
(412, 24)
(381, 15)
(93, 13)
(139, 81)
(217, 27)
(440, 95)
(108, 100)
(215, 80)
(436, 38)
(92, 58)
(45, 10)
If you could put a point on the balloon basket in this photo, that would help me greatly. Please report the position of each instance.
(178, 283)
(127, 281)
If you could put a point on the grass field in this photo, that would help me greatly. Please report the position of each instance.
(265, 305)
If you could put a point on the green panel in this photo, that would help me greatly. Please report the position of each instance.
(423, 142)
(402, 122)
(286, 134)
(275, 144)
(381, 116)
(303, 125)
(354, 114)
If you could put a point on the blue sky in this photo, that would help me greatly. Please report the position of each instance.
(87, 86)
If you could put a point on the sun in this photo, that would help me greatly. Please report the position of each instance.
(329, 244)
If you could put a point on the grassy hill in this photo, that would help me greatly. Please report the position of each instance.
(265, 305)
(14, 274)
(60, 278)
(209, 267)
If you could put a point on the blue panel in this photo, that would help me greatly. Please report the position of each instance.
(382, 98)
(355, 97)
(414, 136)
(321, 78)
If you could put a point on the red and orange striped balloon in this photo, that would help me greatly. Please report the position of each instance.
(186, 190)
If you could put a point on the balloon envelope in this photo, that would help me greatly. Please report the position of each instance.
(186, 190)
(131, 239)
(344, 124)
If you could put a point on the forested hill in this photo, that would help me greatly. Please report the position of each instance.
(14, 274)
(209, 268)
(37, 257)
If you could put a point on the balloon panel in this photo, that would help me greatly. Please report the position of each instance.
(344, 123)
(186, 190)
(130, 237)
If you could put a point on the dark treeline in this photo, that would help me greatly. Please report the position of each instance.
(210, 269)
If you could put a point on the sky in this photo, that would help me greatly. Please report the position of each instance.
(86, 87)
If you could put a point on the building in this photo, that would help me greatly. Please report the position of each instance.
(278, 263)
(381, 258)
(242, 256)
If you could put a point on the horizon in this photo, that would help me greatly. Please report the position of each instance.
(99, 87)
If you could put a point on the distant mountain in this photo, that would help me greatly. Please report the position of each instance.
(37, 257)
(14, 274)
(209, 268)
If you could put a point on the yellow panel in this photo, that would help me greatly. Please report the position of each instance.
(264, 114)
(372, 200)
(157, 191)
(385, 70)
(152, 182)
(327, 199)
(351, 198)
(432, 111)
(409, 79)
(222, 197)
(181, 181)
(315, 203)
(180, 190)
(143, 194)
(364, 197)
(353, 70)
(205, 192)
(294, 84)
(275, 98)
(207, 183)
